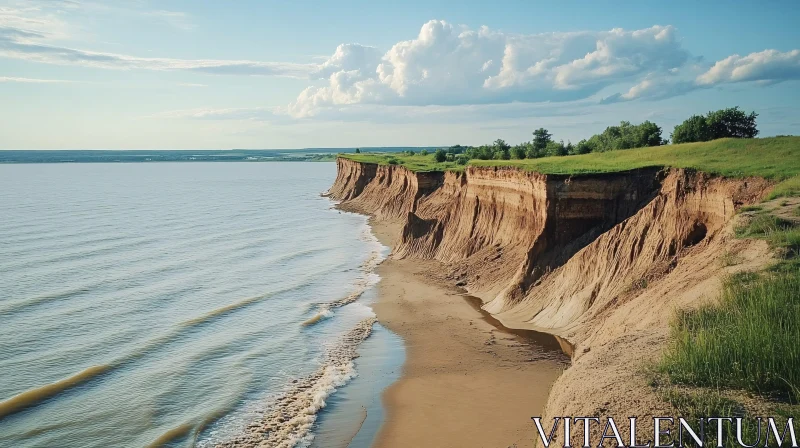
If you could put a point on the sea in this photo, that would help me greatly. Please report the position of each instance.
(180, 304)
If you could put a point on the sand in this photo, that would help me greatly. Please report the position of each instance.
(465, 382)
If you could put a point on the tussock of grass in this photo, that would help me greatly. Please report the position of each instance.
(729, 259)
(749, 341)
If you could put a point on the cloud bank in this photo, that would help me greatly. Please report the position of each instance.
(451, 65)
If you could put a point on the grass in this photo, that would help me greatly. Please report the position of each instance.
(417, 163)
(751, 208)
(781, 234)
(796, 211)
(788, 188)
(749, 341)
(730, 259)
(693, 405)
(776, 158)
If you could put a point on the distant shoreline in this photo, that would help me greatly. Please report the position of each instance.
(31, 156)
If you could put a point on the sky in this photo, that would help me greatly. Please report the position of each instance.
(213, 74)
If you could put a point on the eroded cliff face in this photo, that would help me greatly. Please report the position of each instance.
(601, 260)
(385, 191)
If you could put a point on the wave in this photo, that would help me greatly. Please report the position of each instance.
(364, 282)
(33, 396)
(288, 421)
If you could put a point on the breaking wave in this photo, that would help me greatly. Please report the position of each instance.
(288, 421)
(366, 280)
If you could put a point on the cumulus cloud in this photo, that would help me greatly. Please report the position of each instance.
(450, 65)
(765, 66)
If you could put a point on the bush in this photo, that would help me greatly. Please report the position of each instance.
(440, 155)
(392, 161)
(424, 152)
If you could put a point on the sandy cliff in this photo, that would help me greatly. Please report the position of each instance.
(601, 260)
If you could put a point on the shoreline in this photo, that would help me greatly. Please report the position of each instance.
(461, 380)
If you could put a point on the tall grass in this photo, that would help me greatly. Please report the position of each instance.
(750, 341)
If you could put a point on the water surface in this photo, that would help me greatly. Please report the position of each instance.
(173, 303)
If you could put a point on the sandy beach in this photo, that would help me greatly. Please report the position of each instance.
(466, 382)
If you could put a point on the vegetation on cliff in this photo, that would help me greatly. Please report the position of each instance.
(775, 158)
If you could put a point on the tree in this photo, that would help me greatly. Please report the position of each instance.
(556, 149)
(424, 152)
(570, 148)
(501, 150)
(358, 151)
(583, 147)
(541, 138)
(440, 155)
(694, 129)
(518, 151)
(723, 123)
(732, 122)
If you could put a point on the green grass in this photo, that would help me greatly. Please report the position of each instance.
(776, 158)
(417, 163)
(796, 211)
(749, 341)
(693, 405)
(787, 188)
(751, 208)
(772, 158)
(781, 234)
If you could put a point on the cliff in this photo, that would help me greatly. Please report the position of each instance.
(601, 260)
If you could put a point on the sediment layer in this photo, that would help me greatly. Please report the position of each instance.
(601, 260)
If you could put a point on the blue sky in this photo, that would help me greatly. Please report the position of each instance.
(181, 74)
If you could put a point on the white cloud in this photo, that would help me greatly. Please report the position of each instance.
(447, 65)
(765, 66)
(25, 45)
(32, 80)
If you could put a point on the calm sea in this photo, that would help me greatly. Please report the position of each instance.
(175, 304)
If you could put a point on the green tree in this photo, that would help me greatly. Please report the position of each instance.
(501, 150)
(583, 147)
(424, 152)
(732, 122)
(440, 155)
(694, 129)
(518, 151)
(556, 149)
(541, 138)
(358, 150)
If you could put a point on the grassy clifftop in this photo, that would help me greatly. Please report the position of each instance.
(776, 158)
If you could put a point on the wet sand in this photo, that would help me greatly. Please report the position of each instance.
(467, 382)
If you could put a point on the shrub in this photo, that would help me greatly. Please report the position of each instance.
(440, 155)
